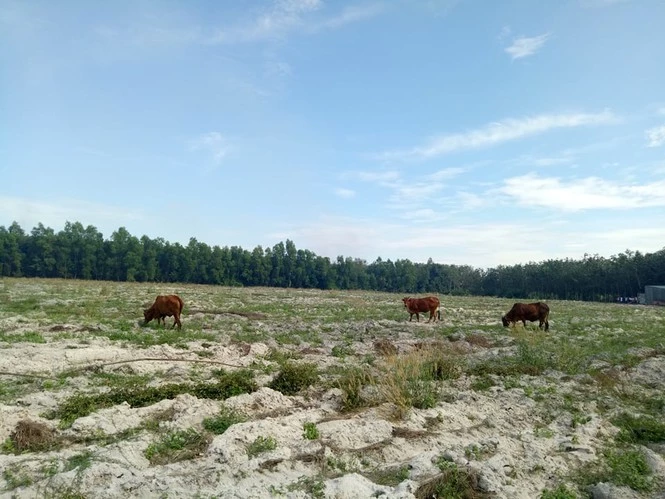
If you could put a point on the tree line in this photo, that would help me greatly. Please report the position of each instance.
(79, 252)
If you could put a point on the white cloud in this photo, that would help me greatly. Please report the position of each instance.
(481, 245)
(526, 46)
(656, 136)
(497, 133)
(345, 193)
(214, 143)
(582, 194)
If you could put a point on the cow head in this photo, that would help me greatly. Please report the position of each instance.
(406, 302)
(505, 321)
(147, 315)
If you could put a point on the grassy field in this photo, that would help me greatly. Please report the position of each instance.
(275, 383)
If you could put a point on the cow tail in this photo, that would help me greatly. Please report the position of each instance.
(438, 313)
(182, 304)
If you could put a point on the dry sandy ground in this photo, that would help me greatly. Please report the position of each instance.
(497, 433)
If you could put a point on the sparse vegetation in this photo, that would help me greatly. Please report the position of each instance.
(260, 445)
(310, 431)
(598, 365)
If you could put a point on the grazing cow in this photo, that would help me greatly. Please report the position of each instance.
(170, 305)
(429, 304)
(537, 311)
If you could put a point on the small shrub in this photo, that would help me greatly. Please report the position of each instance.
(226, 418)
(295, 377)
(310, 431)
(260, 445)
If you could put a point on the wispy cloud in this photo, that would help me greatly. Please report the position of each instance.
(497, 133)
(345, 193)
(582, 194)
(277, 21)
(526, 46)
(351, 14)
(214, 143)
(656, 136)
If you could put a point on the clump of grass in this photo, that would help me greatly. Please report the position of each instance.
(639, 429)
(627, 467)
(561, 492)
(313, 486)
(226, 418)
(385, 347)
(227, 385)
(352, 382)
(79, 461)
(341, 351)
(29, 436)
(14, 479)
(177, 445)
(293, 378)
(310, 431)
(410, 380)
(389, 477)
(260, 445)
(453, 482)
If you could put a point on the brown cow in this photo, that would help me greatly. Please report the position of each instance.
(429, 304)
(537, 311)
(164, 305)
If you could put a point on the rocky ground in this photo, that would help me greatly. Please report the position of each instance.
(482, 424)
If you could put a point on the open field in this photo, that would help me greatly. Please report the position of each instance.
(308, 393)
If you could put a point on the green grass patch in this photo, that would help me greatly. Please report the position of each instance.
(639, 429)
(226, 418)
(178, 445)
(26, 337)
(227, 385)
(293, 378)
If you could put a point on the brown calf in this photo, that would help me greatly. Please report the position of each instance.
(165, 305)
(429, 304)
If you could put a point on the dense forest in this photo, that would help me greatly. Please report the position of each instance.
(79, 252)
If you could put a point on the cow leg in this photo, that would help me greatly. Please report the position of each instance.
(418, 316)
(176, 320)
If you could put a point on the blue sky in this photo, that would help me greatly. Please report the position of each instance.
(470, 132)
